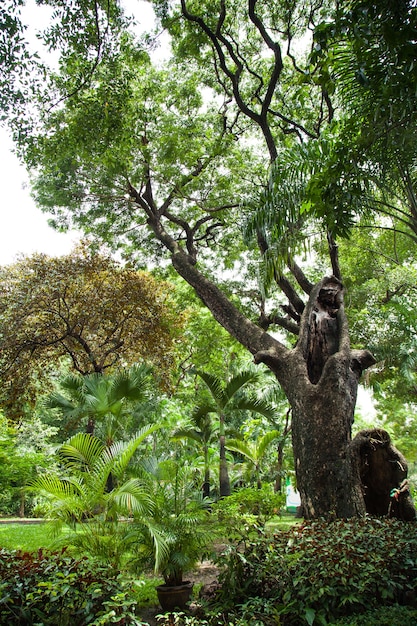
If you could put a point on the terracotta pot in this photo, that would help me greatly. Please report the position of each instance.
(171, 598)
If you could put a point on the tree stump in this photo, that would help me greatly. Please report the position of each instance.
(383, 472)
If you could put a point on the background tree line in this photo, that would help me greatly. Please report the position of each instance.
(250, 155)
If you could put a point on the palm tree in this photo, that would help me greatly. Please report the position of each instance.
(108, 400)
(254, 452)
(226, 400)
(201, 431)
(80, 497)
(181, 517)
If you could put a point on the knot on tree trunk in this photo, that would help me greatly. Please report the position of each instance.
(323, 327)
(383, 470)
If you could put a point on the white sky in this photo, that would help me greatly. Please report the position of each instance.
(24, 228)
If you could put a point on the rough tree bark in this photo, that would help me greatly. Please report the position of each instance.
(320, 377)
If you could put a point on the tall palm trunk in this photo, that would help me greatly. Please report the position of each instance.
(224, 472)
(206, 484)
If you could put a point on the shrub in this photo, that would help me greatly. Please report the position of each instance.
(53, 589)
(384, 616)
(320, 571)
(247, 509)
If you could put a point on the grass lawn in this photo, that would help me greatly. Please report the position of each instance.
(31, 537)
(282, 522)
(26, 537)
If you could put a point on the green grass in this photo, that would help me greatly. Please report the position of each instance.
(282, 522)
(26, 537)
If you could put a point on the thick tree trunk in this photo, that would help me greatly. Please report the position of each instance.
(327, 476)
(320, 377)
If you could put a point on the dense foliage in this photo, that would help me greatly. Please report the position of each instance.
(52, 588)
(84, 307)
(321, 571)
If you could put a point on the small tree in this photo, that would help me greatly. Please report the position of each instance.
(81, 495)
(203, 432)
(110, 401)
(225, 399)
(180, 517)
(254, 452)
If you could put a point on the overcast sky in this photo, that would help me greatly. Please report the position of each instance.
(24, 228)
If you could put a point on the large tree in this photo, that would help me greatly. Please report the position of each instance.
(141, 159)
(84, 308)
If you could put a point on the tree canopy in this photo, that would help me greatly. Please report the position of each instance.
(84, 308)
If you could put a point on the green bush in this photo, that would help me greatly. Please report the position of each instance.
(247, 509)
(320, 571)
(384, 616)
(53, 589)
(255, 614)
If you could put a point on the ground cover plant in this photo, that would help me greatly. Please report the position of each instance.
(54, 589)
(360, 572)
(321, 571)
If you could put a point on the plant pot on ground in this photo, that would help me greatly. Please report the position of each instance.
(180, 533)
(174, 597)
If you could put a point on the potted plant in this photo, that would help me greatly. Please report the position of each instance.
(180, 532)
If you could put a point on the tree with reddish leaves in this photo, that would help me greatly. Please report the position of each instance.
(83, 310)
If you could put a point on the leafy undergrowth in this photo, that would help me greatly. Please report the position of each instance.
(360, 572)
(53, 589)
(321, 571)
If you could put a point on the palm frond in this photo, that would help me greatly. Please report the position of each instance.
(53, 485)
(215, 387)
(236, 445)
(256, 405)
(238, 381)
(82, 451)
(188, 433)
(122, 452)
(133, 498)
(58, 401)
(265, 441)
(131, 383)
(73, 384)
